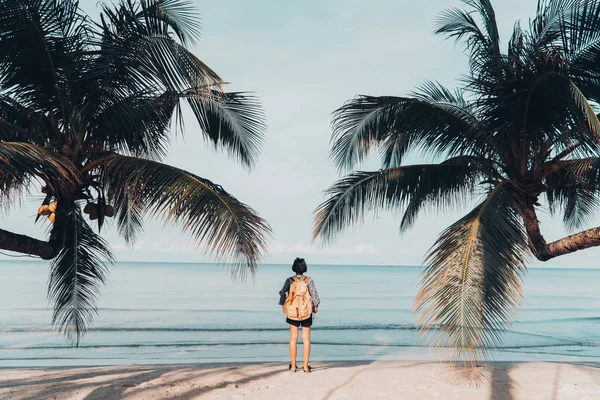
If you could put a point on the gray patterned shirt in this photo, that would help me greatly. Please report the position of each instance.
(312, 290)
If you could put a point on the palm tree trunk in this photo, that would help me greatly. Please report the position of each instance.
(26, 245)
(537, 243)
(545, 251)
(35, 247)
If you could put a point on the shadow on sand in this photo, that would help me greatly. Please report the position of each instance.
(121, 382)
(185, 382)
(501, 382)
(180, 382)
(503, 386)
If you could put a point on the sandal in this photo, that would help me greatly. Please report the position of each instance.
(290, 368)
(307, 370)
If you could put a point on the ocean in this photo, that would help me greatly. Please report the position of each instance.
(194, 313)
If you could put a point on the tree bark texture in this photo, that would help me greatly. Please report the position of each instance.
(46, 250)
(545, 251)
(26, 245)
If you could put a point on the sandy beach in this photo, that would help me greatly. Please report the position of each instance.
(330, 381)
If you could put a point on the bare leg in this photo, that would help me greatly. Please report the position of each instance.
(293, 341)
(306, 341)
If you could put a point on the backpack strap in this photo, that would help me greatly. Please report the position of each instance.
(305, 279)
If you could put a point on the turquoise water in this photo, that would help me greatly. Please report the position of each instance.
(179, 313)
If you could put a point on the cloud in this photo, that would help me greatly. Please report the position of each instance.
(164, 246)
(139, 245)
(280, 247)
(157, 246)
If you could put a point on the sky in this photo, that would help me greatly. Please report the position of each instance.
(304, 59)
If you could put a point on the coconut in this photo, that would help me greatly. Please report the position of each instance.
(109, 211)
(88, 208)
(52, 217)
(44, 210)
(52, 207)
(66, 149)
(94, 212)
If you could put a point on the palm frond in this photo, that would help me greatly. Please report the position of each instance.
(400, 124)
(146, 54)
(580, 207)
(178, 15)
(577, 44)
(572, 189)
(20, 163)
(573, 198)
(553, 110)
(450, 194)
(471, 286)
(233, 121)
(459, 24)
(482, 41)
(349, 198)
(137, 124)
(130, 216)
(148, 59)
(436, 93)
(587, 111)
(76, 276)
(213, 217)
(580, 30)
(550, 15)
(40, 44)
(488, 19)
(21, 124)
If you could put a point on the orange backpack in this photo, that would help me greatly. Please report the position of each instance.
(298, 304)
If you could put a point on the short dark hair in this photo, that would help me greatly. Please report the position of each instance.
(299, 266)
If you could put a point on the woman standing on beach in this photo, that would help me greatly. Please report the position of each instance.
(298, 283)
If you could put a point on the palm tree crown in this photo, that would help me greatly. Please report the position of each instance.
(86, 108)
(521, 126)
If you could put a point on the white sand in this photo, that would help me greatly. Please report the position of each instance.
(333, 380)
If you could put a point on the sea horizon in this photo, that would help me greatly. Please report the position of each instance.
(536, 266)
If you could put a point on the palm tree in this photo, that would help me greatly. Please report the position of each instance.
(86, 109)
(522, 126)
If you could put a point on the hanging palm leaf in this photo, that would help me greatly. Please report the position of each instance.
(206, 211)
(471, 286)
(76, 276)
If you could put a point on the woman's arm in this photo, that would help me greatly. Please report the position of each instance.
(312, 289)
(284, 291)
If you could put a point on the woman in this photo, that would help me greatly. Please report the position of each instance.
(300, 268)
